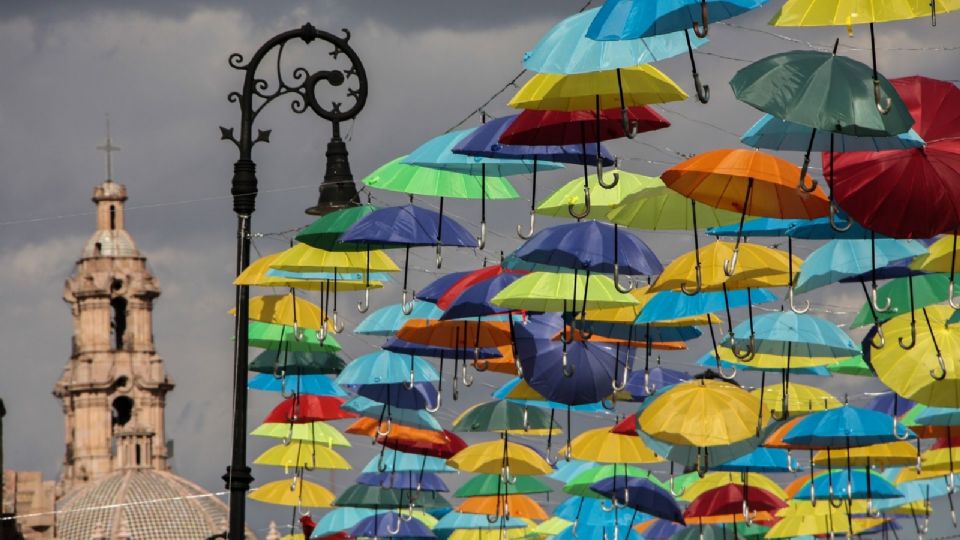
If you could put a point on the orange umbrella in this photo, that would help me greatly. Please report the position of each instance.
(761, 516)
(520, 506)
(368, 427)
(452, 334)
(749, 182)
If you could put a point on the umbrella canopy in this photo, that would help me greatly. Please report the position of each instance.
(454, 520)
(438, 153)
(826, 13)
(639, 85)
(492, 456)
(297, 363)
(400, 176)
(404, 480)
(603, 446)
(927, 290)
(714, 480)
(591, 246)
(851, 366)
(893, 454)
(838, 259)
(409, 225)
(642, 495)
(303, 454)
(388, 319)
(492, 484)
(390, 524)
(762, 227)
(774, 133)
(324, 233)
(461, 333)
(386, 414)
(308, 408)
(844, 427)
(580, 484)
(520, 506)
(288, 310)
(484, 141)
(733, 499)
(421, 395)
(701, 413)
(317, 385)
(783, 333)
(631, 19)
(762, 460)
(801, 524)
(403, 461)
(475, 300)
(300, 493)
(316, 432)
(501, 415)
(545, 291)
(261, 274)
(277, 337)
(672, 305)
(643, 384)
(385, 367)
(579, 126)
(757, 266)
(448, 448)
(304, 258)
(847, 484)
(601, 200)
(658, 208)
(932, 374)
(801, 398)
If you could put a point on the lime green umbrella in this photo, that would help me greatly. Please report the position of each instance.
(324, 231)
(580, 484)
(927, 290)
(317, 432)
(657, 207)
(546, 291)
(493, 484)
(573, 194)
(297, 363)
(851, 366)
(280, 337)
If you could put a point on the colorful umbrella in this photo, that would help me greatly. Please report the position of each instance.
(297, 363)
(298, 493)
(300, 454)
(640, 494)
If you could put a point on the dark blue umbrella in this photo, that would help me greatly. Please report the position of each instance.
(890, 403)
(415, 480)
(640, 494)
(406, 226)
(390, 525)
(643, 385)
(639, 334)
(436, 288)
(422, 395)
(475, 300)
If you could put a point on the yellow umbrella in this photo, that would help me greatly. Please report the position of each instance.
(628, 314)
(604, 446)
(702, 413)
(757, 266)
(317, 432)
(488, 534)
(499, 457)
(303, 454)
(893, 454)
(299, 492)
(800, 399)
(713, 480)
(639, 85)
(929, 371)
(255, 275)
(774, 361)
(552, 526)
(659, 208)
(548, 291)
(933, 464)
(805, 524)
(288, 310)
(303, 258)
(850, 12)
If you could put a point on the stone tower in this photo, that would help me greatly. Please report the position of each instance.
(114, 386)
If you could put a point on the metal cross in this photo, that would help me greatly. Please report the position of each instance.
(109, 148)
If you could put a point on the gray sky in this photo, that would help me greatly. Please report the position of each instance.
(159, 69)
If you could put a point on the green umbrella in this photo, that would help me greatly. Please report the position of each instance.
(580, 484)
(601, 200)
(501, 415)
(851, 366)
(364, 496)
(280, 337)
(298, 363)
(708, 532)
(433, 182)
(487, 484)
(928, 289)
(318, 432)
(545, 291)
(324, 232)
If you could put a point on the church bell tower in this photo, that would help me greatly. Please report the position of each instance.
(114, 386)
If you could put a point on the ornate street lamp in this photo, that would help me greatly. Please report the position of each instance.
(337, 191)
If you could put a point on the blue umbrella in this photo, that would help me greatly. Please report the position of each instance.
(762, 460)
(785, 333)
(938, 416)
(638, 334)
(851, 483)
(403, 461)
(640, 494)
(566, 49)
(599, 530)
(504, 391)
(408, 417)
(669, 305)
(838, 259)
(390, 524)
(404, 480)
(406, 226)
(844, 427)
(422, 395)
(587, 511)
(385, 367)
(763, 227)
(388, 319)
(631, 19)
(458, 520)
(892, 404)
(397, 345)
(475, 300)
(340, 519)
(643, 385)
(322, 276)
(568, 470)
(318, 385)
(709, 361)
(438, 287)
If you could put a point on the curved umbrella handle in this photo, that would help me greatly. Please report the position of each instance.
(506, 477)
(883, 339)
(699, 285)
(626, 374)
(701, 467)
(648, 388)
(919, 465)
(409, 515)
(338, 326)
(440, 256)
(673, 490)
(612, 404)
(876, 304)
(574, 529)
(481, 364)
(884, 103)
(747, 515)
(297, 331)
(604, 185)
(526, 422)
(408, 384)
(437, 407)
(528, 234)
(568, 369)
(913, 337)
(951, 483)
(950, 296)
(804, 187)
(730, 266)
(406, 308)
(831, 498)
(283, 389)
(492, 518)
(703, 90)
(482, 239)
(834, 211)
(321, 334)
(568, 454)
(386, 432)
(704, 15)
(289, 438)
(791, 464)
(586, 205)
(616, 280)
(516, 364)
(745, 354)
(896, 433)
(943, 369)
(467, 381)
(630, 129)
(605, 508)
(394, 531)
(793, 305)
(364, 306)
(725, 375)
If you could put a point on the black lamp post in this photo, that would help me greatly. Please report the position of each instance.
(337, 191)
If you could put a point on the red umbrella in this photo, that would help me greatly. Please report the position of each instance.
(445, 451)
(303, 408)
(538, 128)
(733, 499)
(912, 193)
(627, 426)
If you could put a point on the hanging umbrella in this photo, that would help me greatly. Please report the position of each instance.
(491, 458)
(299, 493)
(839, 259)
(421, 395)
(388, 319)
(404, 480)
(297, 363)
(906, 295)
(279, 337)
(858, 484)
(390, 524)
(543, 291)
(448, 448)
(404, 461)
(892, 454)
(630, 19)
(844, 427)
(801, 399)
(603, 446)
(671, 305)
(800, 524)
(786, 333)
(520, 392)
(643, 385)
(491, 484)
(317, 432)
(308, 408)
(707, 532)
(474, 300)
(580, 484)
(733, 499)
(713, 480)
(941, 258)
(923, 178)
(572, 195)
(287, 310)
(385, 414)
(932, 376)
(454, 520)
(773, 133)
(758, 267)
(260, 274)
(498, 416)
(408, 226)
(514, 505)
(317, 385)
(385, 367)
(640, 494)
(852, 366)
(325, 231)
(762, 460)
(305, 455)
(658, 529)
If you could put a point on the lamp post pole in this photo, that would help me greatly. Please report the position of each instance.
(336, 191)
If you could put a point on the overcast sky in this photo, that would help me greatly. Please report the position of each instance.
(160, 70)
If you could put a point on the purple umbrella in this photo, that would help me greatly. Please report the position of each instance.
(890, 403)
(432, 292)
(475, 300)
(639, 494)
(389, 524)
(484, 141)
(406, 226)
(414, 480)
(638, 383)
(421, 396)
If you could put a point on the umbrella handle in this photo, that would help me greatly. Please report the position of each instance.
(409, 515)
(516, 364)
(630, 129)
(482, 239)
(289, 438)
(883, 339)
(297, 331)
(896, 432)
(506, 477)
(492, 518)
(831, 498)
(790, 463)
(604, 185)
(913, 337)
(528, 234)
(747, 514)
(526, 422)
(437, 407)
(384, 433)
(950, 299)
(943, 369)
(480, 364)
(834, 222)
(612, 404)
(730, 265)
(793, 305)
(364, 306)
(616, 281)
(283, 389)
(702, 33)
(876, 304)
(699, 285)
(605, 508)
(626, 374)
(338, 325)
(673, 491)
(574, 529)
(568, 369)
(804, 187)
(322, 333)
(408, 384)
(884, 103)
(467, 381)
(440, 256)
(406, 308)
(745, 354)
(725, 376)
(394, 531)
(648, 388)
(701, 468)
(703, 90)
(586, 205)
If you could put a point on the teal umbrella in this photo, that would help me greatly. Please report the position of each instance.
(403, 461)
(417, 418)
(297, 363)
(387, 320)
(385, 367)
(839, 259)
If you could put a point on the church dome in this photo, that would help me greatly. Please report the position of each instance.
(110, 243)
(141, 504)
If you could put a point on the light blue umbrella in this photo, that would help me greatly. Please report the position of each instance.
(845, 427)
(710, 361)
(917, 490)
(566, 49)
(321, 276)
(318, 385)
(785, 333)
(762, 460)
(385, 367)
(821, 229)
(458, 520)
(340, 519)
(417, 418)
(847, 484)
(601, 529)
(437, 153)
(403, 461)
(669, 305)
(387, 320)
(504, 391)
(587, 511)
(838, 259)
(568, 470)
(938, 416)
(762, 227)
